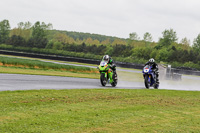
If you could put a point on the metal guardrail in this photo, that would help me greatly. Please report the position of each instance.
(186, 72)
(173, 76)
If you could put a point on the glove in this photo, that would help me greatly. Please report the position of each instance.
(113, 66)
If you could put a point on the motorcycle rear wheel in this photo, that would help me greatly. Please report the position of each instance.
(115, 79)
(156, 86)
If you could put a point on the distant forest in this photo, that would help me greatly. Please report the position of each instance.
(41, 38)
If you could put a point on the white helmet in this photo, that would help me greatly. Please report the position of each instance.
(151, 60)
(106, 58)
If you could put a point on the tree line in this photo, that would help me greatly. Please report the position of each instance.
(133, 49)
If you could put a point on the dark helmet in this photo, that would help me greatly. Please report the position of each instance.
(106, 58)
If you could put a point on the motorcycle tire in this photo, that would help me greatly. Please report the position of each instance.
(115, 79)
(146, 82)
(156, 86)
(103, 79)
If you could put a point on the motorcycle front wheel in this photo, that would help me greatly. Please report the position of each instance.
(103, 79)
(146, 82)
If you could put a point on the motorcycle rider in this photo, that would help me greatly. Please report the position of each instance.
(108, 59)
(112, 66)
(152, 63)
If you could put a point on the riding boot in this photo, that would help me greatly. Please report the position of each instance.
(114, 71)
(157, 79)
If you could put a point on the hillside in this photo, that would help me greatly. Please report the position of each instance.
(83, 36)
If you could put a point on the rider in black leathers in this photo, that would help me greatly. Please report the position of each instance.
(152, 63)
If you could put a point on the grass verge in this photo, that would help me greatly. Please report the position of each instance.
(36, 64)
(51, 72)
(37, 67)
(99, 110)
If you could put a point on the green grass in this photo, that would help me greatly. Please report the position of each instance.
(99, 110)
(18, 62)
(51, 72)
(40, 59)
(32, 66)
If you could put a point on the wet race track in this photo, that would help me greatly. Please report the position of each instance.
(28, 82)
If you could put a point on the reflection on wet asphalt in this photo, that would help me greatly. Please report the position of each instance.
(28, 82)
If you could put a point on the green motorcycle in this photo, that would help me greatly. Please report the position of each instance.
(107, 74)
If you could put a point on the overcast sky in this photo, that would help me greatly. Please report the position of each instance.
(109, 17)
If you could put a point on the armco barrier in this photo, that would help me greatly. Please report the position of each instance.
(129, 65)
(186, 72)
(72, 59)
(53, 57)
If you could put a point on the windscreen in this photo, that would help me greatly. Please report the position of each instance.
(147, 66)
(103, 63)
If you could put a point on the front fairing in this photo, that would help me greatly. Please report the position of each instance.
(147, 71)
(103, 67)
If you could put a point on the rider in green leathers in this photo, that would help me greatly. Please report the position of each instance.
(112, 66)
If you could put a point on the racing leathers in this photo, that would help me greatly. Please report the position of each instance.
(111, 65)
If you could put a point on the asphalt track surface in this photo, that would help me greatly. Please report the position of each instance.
(29, 82)
(13, 82)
